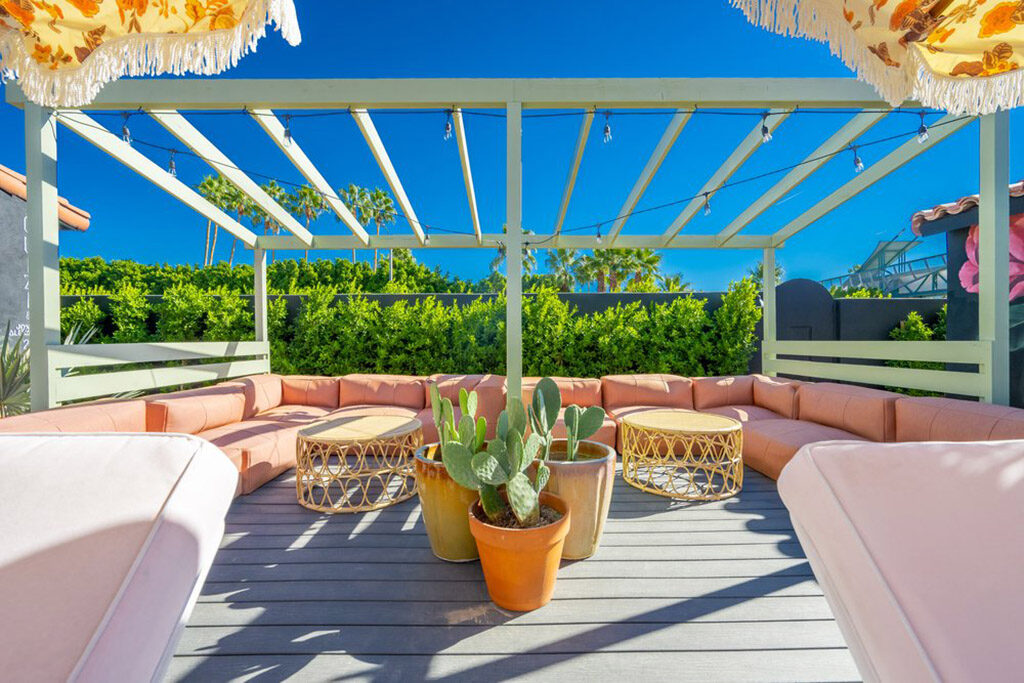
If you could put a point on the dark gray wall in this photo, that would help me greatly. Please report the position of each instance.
(13, 265)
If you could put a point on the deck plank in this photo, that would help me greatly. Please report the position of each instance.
(677, 592)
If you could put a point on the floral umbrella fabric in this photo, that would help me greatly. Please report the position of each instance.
(963, 56)
(63, 51)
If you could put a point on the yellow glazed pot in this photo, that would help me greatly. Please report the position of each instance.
(444, 504)
(585, 484)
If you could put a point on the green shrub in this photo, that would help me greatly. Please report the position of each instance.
(228, 318)
(732, 340)
(679, 334)
(84, 313)
(914, 328)
(129, 315)
(181, 313)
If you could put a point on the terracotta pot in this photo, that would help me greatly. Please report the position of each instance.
(586, 485)
(521, 565)
(444, 506)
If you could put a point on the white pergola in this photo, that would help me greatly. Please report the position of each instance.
(165, 99)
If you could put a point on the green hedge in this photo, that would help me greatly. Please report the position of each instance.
(359, 335)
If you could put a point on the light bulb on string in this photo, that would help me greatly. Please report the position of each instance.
(448, 126)
(707, 204)
(599, 233)
(426, 235)
(126, 134)
(858, 163)
(766, 133)
(172, 167)
(607, 127)
(922, 132)
(288, 130)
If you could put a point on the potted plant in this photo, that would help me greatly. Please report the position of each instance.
(442, 500)
(519, 528)
(582, 472)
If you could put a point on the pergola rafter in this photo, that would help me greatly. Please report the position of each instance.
(178, 126)
(574, 168)
(467, 171)
(739, 156)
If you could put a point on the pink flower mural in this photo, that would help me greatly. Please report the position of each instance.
(969, 271)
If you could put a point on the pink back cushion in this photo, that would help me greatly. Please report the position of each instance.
(647, 390)
(262, 393)
(113, 416)
(870, 413)
(712, 392)
(388, 390)
(196, 410)
(776, 394)
(574, 390)
(309, 390)
(947, 419)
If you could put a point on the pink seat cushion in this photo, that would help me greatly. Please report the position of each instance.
(920, 551)
(947, 419)
(375, 409)
(104, 550)
(262, 392)
(196, 410)
(711, 392)
(769, 445)
(573, 390)
(744, 413)
(111, 416)
(490, 393)
(870, 413)
(776, 394)
(388, 390)
(310, 390)
(668, 391)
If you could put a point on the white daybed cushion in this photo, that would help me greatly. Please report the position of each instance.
(919, 548)
(106, 541)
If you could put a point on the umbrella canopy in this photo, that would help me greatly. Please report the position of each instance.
(963, 56)
(63, 51)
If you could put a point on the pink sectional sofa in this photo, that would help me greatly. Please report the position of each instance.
(576, 391)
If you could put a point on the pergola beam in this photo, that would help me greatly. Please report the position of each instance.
(668, 138)
(853, 129)
(574, 168)
(369, 131)
(739, 156)
(493, 240)
(467, 171)
(178, 126)
(272, 126)
(94, 133)
(896, 159)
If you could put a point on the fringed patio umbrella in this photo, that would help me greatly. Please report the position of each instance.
(963, 56)
(63, 51)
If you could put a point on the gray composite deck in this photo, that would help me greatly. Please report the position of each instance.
(715, 591)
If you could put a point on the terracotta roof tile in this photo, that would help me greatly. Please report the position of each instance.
(953, 208)
(71, 217)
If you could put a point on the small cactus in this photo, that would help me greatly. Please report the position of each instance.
(465, 431)
(579, 423)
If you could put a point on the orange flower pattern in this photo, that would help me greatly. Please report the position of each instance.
(63, 33)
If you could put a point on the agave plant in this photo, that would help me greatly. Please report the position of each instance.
(14, 375)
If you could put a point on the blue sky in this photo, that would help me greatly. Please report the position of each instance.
(131, 219)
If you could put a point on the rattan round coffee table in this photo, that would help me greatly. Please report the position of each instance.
(355, 464)
(683, 454)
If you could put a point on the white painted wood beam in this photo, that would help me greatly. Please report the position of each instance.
(467, 172)
(492, 240)
(272, 126)
(574, 168)
(668, 138)
(514, 250)
(993, 255)
(903, 154)
(853, 129)
(739, 156)
(94, 133)
(768, 318)
(369, 131)
(178, 126)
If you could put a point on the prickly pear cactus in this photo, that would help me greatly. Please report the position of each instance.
(580, 423)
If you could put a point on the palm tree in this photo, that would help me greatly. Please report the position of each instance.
(308, 203)
(597, 267)
(374, 207)
(529, 258)
(673, 283)
(563, 264)
(756, 272)
(215, 189)
(646, 264)
(279, 195)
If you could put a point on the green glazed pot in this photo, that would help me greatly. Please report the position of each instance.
(585, 484)
(444, 504)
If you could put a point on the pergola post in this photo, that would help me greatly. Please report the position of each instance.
(514, 249)
(994, 253)
(43, 248)
(259, 300)
(768, 319)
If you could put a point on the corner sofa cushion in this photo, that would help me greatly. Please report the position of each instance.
(919, 550)
(95, 588)
(195, 410)
(105, 416)
(947, 419)
(573, 390)
(744, 413)
(669, 391)
(387, 390)
(769, 445)
(870, 413)
(776, 394)
(711, 392)
(309, 390)
(262, 392)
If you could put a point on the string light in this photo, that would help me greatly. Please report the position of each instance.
(599, 233)
(426, 235)
(858, 163)
(288, 130)
(922, 132)
(766, 133)
(126, 134)
(607, 127)
(707, 204)
(172, 168)
(448, 126)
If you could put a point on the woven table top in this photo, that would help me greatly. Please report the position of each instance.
(354, 429)
(682, 421)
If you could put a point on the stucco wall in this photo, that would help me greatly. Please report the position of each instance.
(13, 264)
